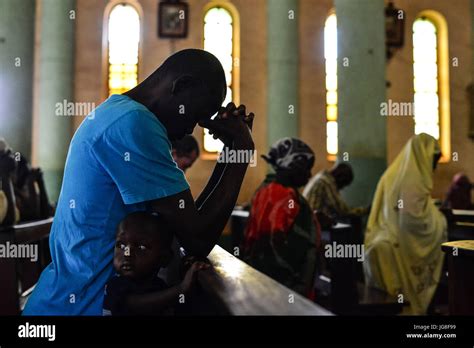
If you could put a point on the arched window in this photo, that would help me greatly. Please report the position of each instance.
(221, 39)
(123, 40)
(330, 55)
(430, 79)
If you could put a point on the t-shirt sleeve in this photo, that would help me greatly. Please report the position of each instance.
(136, 153)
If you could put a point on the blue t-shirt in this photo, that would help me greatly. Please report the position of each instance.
(119, 158)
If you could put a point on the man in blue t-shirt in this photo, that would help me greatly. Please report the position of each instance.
(119, 161)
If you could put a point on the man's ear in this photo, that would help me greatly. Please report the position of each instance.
(183, 82)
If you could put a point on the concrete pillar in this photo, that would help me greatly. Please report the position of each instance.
(55, 64)
(361, 90)
(282, 53)
(16, 72)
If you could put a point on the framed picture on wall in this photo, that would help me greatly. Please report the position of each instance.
(173, 19)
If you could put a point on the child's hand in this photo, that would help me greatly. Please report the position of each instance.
(190, 277)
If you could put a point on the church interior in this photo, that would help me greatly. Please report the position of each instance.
(374, 97)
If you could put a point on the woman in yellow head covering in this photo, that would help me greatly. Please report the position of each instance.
(405, 229)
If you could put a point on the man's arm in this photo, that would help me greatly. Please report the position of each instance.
(213, 181)
(199, 228)
(156, 302)
(220, 166)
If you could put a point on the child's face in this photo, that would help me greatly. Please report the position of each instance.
(137, 255)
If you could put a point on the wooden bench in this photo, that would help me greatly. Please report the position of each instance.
(235, 288)
(460, 256)
(341, 289)
(19, 275)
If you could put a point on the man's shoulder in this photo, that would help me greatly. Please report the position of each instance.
(124, 111)
(119, 113)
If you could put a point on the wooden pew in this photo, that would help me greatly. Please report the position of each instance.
(235, 288)
(460, 256)
(460, 224)
(238, 223)
(345, 292)
(342, 291)
(19, 275)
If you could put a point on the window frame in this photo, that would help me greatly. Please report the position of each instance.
(443, 63)
(105, 42)
(235, 86)
(330, 157)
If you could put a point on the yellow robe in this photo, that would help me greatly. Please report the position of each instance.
(405, 229)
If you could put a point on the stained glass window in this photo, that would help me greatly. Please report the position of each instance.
(123, 39)
(330, 55)
(425, 79)
(219, 40)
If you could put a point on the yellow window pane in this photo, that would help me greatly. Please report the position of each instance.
(330, 54)
(218, 15)
(425, 85)
(330, 37)
(331, 140)
(331, 82)
(430, 129)
(331, 67)
(331, 97)
(218, 39)
(425, 81)
(123, 38)
(331, 112)
(425, 70)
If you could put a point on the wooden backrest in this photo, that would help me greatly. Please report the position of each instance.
(460, 224)
(20, 274)
(460, 256)
(238, 222)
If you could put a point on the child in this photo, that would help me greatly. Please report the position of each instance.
(142, 247)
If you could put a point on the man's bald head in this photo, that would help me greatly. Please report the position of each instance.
(189, 86)
(199, 64)
(343, 174)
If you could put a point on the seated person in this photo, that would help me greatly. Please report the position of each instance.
(282, 235)
(30, 192)
(142, 247)
(185, 152)
(322, 192)
(459, 193)
(405, 230)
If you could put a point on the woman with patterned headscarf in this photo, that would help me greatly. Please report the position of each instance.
(405, 229)
(283, 234)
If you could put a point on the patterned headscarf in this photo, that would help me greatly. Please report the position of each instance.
(288, 153)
